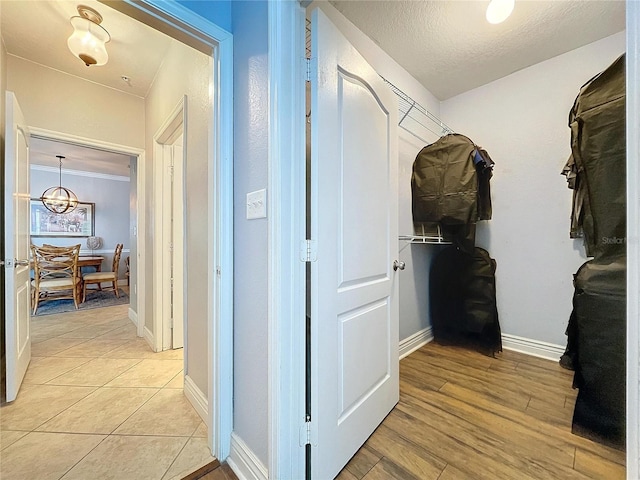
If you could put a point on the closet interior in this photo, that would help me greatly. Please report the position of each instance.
(514, 288)
(529, 258)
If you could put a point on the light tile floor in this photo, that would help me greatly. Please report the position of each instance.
(97, 403)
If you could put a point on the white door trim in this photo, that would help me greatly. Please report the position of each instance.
(286, 226)
(633, 239)
(141, 222)
(162, 145)
(191, 26)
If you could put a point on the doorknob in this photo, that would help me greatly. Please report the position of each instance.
(21, 263)
(398, 265)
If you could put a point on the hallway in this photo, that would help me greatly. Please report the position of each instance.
(97, 403)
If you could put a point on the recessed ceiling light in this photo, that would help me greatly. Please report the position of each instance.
(499, 10)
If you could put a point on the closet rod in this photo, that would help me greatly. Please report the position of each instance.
(408, 105)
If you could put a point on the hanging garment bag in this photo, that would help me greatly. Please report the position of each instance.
(598, 147)
(450, 188)
(599, 304)
(463, 299)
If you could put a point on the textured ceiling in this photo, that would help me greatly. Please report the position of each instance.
(450, 47)
(38, 31)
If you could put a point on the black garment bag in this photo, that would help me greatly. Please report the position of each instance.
(463, 299)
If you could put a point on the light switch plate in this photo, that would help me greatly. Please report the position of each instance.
(257, 204)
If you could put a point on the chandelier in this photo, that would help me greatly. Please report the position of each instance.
(59, 199)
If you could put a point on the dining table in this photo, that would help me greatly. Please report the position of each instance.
(87, 261)
(90, 261)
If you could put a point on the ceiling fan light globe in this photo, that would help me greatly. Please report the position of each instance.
(88, 40)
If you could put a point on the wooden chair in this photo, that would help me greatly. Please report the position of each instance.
(128, 266)
(103, 277)
(55, 272)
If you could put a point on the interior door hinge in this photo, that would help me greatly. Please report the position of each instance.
(308, 251)
(308, 68)
(305, 433)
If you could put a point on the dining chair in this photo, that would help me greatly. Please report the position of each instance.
(55, 272)
(103, 277)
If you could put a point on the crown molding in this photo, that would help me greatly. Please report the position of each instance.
(79, 173)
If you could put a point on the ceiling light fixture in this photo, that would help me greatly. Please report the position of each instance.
(499, 10)
(59, 199)
(87, 42)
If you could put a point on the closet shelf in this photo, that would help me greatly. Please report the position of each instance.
(415, 119)
(432, 240)
(424, 235)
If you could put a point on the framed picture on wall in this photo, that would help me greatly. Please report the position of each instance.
(78, 223)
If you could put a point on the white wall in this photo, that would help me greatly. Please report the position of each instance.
(522, 120)
(250, 305)
(63, 103)
(111, 199)
(133, 233)
(186, 71)
(414, 280)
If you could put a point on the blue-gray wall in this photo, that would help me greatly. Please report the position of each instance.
(218, 12)
(111, 199)
(250, 304)
(248, 22)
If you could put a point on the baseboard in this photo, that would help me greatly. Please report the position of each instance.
(133, 316)
(244, 463)
(415, 341)
(536, 348)
(148, 336)
(197, 398)
(122, 282)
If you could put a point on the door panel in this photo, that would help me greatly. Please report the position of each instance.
(357, 383)
(354, 309)
(17, 270)
(178, 232)
(363, 209)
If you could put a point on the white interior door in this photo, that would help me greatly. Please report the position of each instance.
(177, 227)
(16, 254)
(170, 198)
(354, 312)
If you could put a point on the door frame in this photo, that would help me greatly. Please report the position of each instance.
(286, 297)
(161, 283)
(188, 27)
(139, 317)
(287, 232)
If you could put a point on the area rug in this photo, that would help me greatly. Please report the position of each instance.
(94, 300)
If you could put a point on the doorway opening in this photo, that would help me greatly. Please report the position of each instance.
(108, 175)
(214, 337)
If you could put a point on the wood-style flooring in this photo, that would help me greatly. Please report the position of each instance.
(212, 471)
(463, 416)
